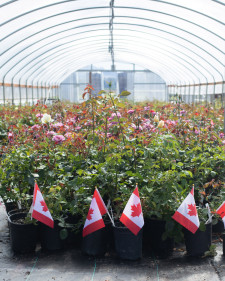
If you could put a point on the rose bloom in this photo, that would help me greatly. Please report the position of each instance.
(197, 132)
(146, 108)
(161, 124)
(68, 135)
(114, 115)
(58, 125)
(46, 119)
(10, 137)
(51, 133)
(35, 127)
(77, 128)
(156, 118)
(183, 112)
(58, 139)
(130, 111)
(221, 135)
(39, 115)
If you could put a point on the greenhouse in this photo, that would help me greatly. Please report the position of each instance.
(112, 140)
(45, 44)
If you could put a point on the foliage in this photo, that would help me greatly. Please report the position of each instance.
(114, 145)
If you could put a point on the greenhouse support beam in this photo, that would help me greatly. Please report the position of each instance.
(223, 89)
(189, 95)
(200, 84)
(3, 90)
(32, 93)
(102, 29)
(20, 94)
(214, 94)
(206, 94)
(12, 93)
(194, 95)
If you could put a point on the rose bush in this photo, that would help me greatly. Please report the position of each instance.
(109, 143)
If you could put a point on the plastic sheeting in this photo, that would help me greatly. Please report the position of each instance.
(45, 41)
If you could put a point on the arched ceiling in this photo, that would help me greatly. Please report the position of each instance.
(45, 41)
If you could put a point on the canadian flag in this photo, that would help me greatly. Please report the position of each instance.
(187, 214)
(221, 212)
(132, 216)
(94, 219)
(39, 208)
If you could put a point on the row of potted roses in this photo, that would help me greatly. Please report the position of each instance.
(113, 146)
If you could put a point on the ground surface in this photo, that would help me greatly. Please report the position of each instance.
(71, 265)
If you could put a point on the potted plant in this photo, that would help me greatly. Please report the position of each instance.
(199, 242)
(23, 232)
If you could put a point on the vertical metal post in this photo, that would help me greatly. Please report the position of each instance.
(214, 94)
(223, 93)
(20, 94)
(37, 91)
(32, 94)
(199, 93)
(189, 94)
(166, 93)
(3, 85)
(26, 92)
(206, 94)
(185, 86)
(12, 92)
(194, 94)
(133, 76)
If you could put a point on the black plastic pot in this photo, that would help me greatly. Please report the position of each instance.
(218, 227)
(23, 237)
(224, 244)
(15, 211)
(95, 244)
(127, 245)
(197, 244)
(74, 238)
(50, 237)
(153, 243)
(9, 206)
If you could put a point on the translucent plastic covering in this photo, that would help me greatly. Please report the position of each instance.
(45, 41)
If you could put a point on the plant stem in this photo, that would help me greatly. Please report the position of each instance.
(117, 118)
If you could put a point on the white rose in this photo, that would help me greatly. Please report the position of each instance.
(161, 124)
(156, 118)
(46, 118)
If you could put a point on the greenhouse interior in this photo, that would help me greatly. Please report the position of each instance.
(112, 140)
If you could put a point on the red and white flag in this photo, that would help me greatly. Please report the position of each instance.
(221, 212)
(187, 214)
(132, 216)
(94, 219)
(40, 210)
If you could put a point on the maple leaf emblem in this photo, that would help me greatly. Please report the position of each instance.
(193, 211)
(90, 212)
(136, 210)
(44, 206)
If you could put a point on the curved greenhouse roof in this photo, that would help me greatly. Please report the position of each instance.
(45, 41)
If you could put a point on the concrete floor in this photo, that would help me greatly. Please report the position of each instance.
(71, 265)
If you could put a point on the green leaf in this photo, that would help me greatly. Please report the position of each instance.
(125, 93)
(63, 233)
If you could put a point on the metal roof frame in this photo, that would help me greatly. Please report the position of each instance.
(132, 23)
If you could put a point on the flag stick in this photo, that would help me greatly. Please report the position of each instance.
(108, 204)
(209, 214)
(108, 211)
